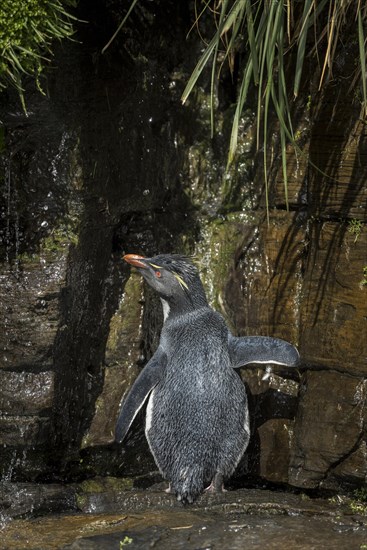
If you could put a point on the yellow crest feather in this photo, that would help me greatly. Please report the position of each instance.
(180, 280)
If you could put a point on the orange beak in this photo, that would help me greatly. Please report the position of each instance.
(135, 260)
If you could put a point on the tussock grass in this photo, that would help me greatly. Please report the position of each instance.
(27, 30)
(268, 30)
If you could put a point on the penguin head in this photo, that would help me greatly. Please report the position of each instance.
(173, 277)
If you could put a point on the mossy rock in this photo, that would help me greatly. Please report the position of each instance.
(215, 252)
(103, 484)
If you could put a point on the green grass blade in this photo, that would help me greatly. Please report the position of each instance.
(282, 85)
(286, 114)
(31, 54)
(275, 29)
(252, 42)
(214, 64)
(262, 58)
(362, 59)
(232, 16)
(63, 12)
(11, 78)
(302, 44)
(199, 68)
(265, 143)
(267, 56)
(197, 17)
(43, 39)
(57, 30)
(243, 92)
(283, 146)
(281, 119)
(12, 57)
(239, 107)
(237, 24)
(224, 27)
(120, 26)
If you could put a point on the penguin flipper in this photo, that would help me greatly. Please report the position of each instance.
(149, 377)
(262, 350)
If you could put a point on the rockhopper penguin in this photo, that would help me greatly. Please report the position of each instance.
(197, 422)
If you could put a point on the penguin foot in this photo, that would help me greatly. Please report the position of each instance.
(216, 485)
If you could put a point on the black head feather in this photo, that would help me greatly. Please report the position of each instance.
(179, 264)
(182, 291)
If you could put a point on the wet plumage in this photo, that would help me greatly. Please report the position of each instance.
(197, 422)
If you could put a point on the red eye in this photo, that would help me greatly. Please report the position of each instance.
(158, 274)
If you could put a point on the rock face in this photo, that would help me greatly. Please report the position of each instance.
(328, 430)
(110, 162)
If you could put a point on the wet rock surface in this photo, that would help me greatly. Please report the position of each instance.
(236, 519)
(319, 446)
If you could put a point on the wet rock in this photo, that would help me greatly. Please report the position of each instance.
(273, 403)
(102, 428)
(338, 148)
(230, 520)
(102, 493)
(352, 470)
(122, 355)
(297, 167)
(328, 426)
(37, 231)
(30, 296)
(253, 532)
(333, 307)
(30, 431)
(25, 392)
(25, 499)
(219, 240)
(275, 441)
(263, 288)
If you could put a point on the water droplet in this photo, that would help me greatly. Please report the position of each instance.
(146, 192)
(44, 224)
(268, 373)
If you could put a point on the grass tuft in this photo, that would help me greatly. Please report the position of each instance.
(27, 29)
(267, 31)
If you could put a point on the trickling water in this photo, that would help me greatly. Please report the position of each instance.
(8, 206)
(7, 487)
(8, 473)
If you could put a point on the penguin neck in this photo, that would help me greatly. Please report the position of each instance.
(174, 307)
(166, 309)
